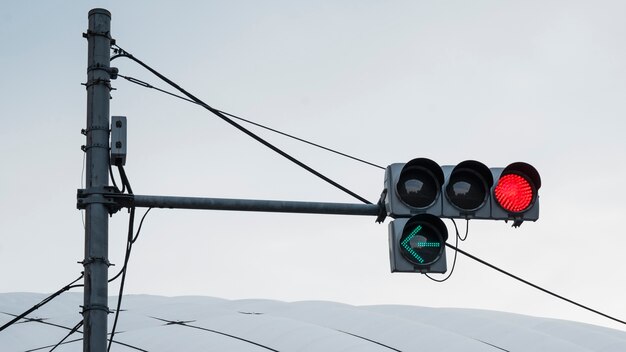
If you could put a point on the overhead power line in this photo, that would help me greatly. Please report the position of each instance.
(72, 331)
(150, 86)
(43, 302)
(473, 257)
(41, 321)
(122, 53)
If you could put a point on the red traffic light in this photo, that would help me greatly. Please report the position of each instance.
(514, 193)
(516, 189)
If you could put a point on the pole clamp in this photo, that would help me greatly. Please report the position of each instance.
(108, 196)
(104, 82)
(84, 148)
(89, 307)
(84, 131)
(91, 260)
(382, 211)
(91, 33)
(112, 71)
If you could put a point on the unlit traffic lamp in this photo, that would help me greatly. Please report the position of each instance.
(417, 244)
(413, 188)
(467, 190)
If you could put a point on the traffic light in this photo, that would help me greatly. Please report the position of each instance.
(468, 190)
(413, 188)
(417, 244)
(515, 194)
(420, 192)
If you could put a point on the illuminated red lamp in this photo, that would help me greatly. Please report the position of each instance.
(514, 193)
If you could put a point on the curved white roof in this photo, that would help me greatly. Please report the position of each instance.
(154, 323)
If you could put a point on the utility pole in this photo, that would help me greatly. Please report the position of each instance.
(96, 264)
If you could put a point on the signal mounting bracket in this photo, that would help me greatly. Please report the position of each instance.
(109, 196)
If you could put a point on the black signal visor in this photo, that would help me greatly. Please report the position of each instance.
(469, 185)
(420, 182)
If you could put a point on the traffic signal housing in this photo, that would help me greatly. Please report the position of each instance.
(417, 244)
(468, 190)
(419, 193)
(413, 188)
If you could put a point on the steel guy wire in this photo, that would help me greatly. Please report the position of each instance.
(123, 53)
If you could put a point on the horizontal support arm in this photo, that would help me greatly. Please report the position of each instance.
(275, 206)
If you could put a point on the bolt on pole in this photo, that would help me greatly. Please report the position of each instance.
(96, 264)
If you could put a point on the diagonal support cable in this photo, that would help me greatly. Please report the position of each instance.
(43, 302)
(123, 53)
(533, 285)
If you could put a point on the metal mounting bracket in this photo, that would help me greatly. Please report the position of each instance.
(108, 196)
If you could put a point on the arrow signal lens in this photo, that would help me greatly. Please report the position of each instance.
(421, 243)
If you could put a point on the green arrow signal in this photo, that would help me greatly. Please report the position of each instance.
(409, 249)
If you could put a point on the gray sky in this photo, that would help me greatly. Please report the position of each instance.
(535, 81)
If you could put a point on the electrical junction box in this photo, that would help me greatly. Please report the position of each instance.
(118, 140)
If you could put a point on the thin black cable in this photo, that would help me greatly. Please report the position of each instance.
(129, 246)
(72, 331)
(148, 85)
(26, 320)
(113, 181)
(82, 171)
(457, 237)
(43, 302)
(533, 285)
(123, 271)
(301, 140)
(125, 182)
(132, 241)
(82, 174)
(140, 225)
(122, 53)
(466, 230)
(80, 339)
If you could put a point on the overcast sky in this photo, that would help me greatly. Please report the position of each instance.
(387, 81)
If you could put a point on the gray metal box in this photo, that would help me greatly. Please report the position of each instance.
(118, 140)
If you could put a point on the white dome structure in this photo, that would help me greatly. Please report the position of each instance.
(160, 324)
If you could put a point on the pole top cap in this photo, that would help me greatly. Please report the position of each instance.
(98, 11)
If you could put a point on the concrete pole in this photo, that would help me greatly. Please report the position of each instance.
(96, 263)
